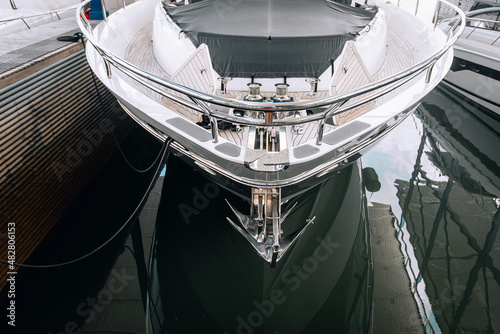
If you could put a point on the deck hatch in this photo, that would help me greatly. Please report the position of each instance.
(190, 128)
(229, 149)
(304, 151)
(345, 132)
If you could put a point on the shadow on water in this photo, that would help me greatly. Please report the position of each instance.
(204, 277)
(60, 299)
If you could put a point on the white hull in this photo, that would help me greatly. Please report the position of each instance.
(476, 86)
(475, 71)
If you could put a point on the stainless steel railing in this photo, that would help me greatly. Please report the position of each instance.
(486, 22)
(416, 6)
(49, 12)
(335, 104)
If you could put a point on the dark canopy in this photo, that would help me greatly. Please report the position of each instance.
(271, 38)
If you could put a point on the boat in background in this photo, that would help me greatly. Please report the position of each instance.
(271, 97)
(20, 15)
(475, 70)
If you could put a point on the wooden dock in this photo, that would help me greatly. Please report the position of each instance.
(55, 131)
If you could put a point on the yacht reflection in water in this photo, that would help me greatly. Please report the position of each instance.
(204, 278)
(453, 224)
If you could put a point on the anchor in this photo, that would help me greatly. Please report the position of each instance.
(262, 228)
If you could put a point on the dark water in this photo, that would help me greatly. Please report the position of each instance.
(440, 175)
(417, 253)
(59, 299)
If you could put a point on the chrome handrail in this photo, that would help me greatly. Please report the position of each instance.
(481, 20)
(39, 14)
(148, 79)
(416, 6)
(482, 28)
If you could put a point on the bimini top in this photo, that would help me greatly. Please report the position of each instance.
(271, 38)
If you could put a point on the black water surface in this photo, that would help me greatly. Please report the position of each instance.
(58, 300)
(440, 175)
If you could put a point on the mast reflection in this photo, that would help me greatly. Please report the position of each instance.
(453, 225)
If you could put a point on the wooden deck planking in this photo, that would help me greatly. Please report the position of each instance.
(399, 57)
(232, 136)
(352, 75)
(206, 79)
(140, 53)
(310, 132)
(304, 95)
(298, 96)
(196, 72)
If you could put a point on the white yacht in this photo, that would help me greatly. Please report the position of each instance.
(268, 98)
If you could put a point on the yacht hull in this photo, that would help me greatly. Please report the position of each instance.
(474, 75)
(205, 278)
